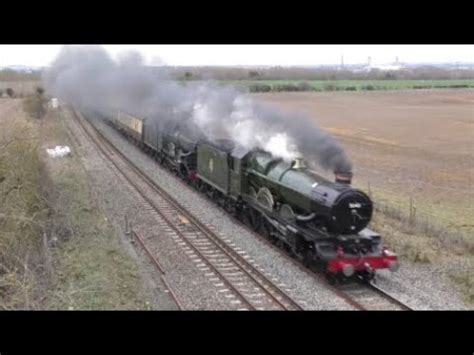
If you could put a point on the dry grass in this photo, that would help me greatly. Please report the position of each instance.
(57, 249)
(22, 209)
(92, 269)
(21, 88)
(35, 105)
(415, 244)
(450, 240)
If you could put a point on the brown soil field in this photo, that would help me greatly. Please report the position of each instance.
(405, 143)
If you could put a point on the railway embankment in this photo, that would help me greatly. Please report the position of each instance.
(58, 248)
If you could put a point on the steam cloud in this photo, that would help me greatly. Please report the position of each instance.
(89, 78)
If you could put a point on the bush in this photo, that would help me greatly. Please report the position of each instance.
(10, 92)
(40, 90)
(35, 106)
(351, 88)
(22, 210)
(330, 87)
(285, 87)
(254, 74)
(260, 88)
(368, 87)
(305, 86)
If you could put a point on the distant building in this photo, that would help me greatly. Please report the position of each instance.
(387, 67)
(365, 68)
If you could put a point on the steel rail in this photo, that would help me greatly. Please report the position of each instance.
(241, 263)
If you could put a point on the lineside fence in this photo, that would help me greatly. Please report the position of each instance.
(414, 220)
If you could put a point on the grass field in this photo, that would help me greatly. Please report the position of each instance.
(350, 85)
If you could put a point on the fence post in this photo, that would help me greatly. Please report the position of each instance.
(411, 209)
(127, 231)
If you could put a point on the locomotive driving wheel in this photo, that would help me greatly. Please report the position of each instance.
(287, 213)
(265, 199)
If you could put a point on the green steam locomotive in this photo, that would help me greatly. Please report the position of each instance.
(321, 222)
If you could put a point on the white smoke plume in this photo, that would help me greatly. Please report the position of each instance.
(88, 77)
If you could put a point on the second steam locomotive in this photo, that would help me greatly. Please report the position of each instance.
(323, 223)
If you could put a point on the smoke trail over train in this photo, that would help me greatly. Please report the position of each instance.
(88, 77)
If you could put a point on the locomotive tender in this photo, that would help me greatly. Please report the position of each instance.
(322, 223)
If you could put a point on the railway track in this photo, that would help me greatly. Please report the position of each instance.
(134, 234)
(249, 288)
(361, 296)
(371, 297)
(160, 269)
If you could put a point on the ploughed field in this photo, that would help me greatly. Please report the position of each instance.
(404, 143)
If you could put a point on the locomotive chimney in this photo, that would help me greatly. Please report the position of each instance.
(343, 178)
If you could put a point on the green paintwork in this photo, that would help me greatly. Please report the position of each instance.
(213, 167)
(288, 185)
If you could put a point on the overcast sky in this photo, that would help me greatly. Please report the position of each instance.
(41, 55)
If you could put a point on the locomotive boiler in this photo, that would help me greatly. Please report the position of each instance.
(309, 198)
